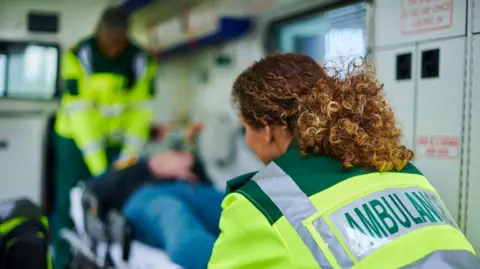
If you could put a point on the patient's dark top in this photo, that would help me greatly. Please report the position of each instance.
(114, 188)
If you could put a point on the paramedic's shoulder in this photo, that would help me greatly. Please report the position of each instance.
(235, 184)
(136, 49)
(82, 44)
(252, 195)
(238, 244)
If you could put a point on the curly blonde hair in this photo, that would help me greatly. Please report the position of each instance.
(343, 115)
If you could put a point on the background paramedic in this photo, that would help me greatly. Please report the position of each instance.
(105, 112)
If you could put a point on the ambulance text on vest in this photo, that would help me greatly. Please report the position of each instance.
(380, 217)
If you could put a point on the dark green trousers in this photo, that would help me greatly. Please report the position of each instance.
(70, 169)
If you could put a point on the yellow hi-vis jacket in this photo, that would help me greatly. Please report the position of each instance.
(106, 102)
(305, 212)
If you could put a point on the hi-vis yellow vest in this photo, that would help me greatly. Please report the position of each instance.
(307, 213)
(106, 102)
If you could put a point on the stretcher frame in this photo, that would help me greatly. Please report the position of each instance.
(104, 247)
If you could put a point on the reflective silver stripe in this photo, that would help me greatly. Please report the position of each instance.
(134, 141)
(92, 147)
(111, 111)
(147, 105)
(140, 64)
(333, 244)
(77, 106)
(133, 145)
(446, 259)
(296, 207)
(85, 57)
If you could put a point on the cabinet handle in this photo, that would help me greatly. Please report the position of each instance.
(431, 63)
(404, 66)
(3, 144)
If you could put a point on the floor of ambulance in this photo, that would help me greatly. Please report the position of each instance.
(141, 255)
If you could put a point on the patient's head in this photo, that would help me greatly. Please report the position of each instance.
(287, 97)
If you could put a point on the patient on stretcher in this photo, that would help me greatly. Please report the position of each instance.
(170, 203)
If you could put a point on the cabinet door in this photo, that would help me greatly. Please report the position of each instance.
(396, 69)
(473, 201)
(440, 99)
(21, 157)
(476, 16)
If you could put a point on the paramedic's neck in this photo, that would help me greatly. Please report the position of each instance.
(279, 144)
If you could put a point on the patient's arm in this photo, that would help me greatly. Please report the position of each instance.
(114, 188)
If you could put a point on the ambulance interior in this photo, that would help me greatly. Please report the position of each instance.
(425, 53)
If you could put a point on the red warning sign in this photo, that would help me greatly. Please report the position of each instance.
(420, 16)
(438, 146)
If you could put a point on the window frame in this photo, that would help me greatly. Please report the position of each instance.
(272, 35)
(54, 45)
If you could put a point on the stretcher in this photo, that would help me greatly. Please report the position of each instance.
(108, 243)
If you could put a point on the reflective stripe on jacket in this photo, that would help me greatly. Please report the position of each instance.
(308, 213)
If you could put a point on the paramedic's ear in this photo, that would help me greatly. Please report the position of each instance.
(267, 133)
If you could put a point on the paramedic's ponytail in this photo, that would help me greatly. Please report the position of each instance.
(346, 117)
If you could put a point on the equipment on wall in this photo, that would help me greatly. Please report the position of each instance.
(226, 29)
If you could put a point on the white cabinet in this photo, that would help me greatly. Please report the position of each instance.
(473, 202)
(21, 157)
(406, 21)
(424, 85)
(399, 86)
(440, 115)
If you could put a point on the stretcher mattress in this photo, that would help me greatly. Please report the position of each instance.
(141, 255)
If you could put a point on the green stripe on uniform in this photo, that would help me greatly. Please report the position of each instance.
(152, 88)
(250, 190)
(261, 201)
(71, 86)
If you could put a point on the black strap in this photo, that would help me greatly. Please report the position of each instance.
(28, 226)
(27, 229)
(28, 251)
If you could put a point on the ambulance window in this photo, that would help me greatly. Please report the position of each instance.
(333, 35)
(29, 70)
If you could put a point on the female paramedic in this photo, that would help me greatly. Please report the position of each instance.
(338, 189)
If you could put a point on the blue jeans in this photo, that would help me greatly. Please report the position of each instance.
(179, 217)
